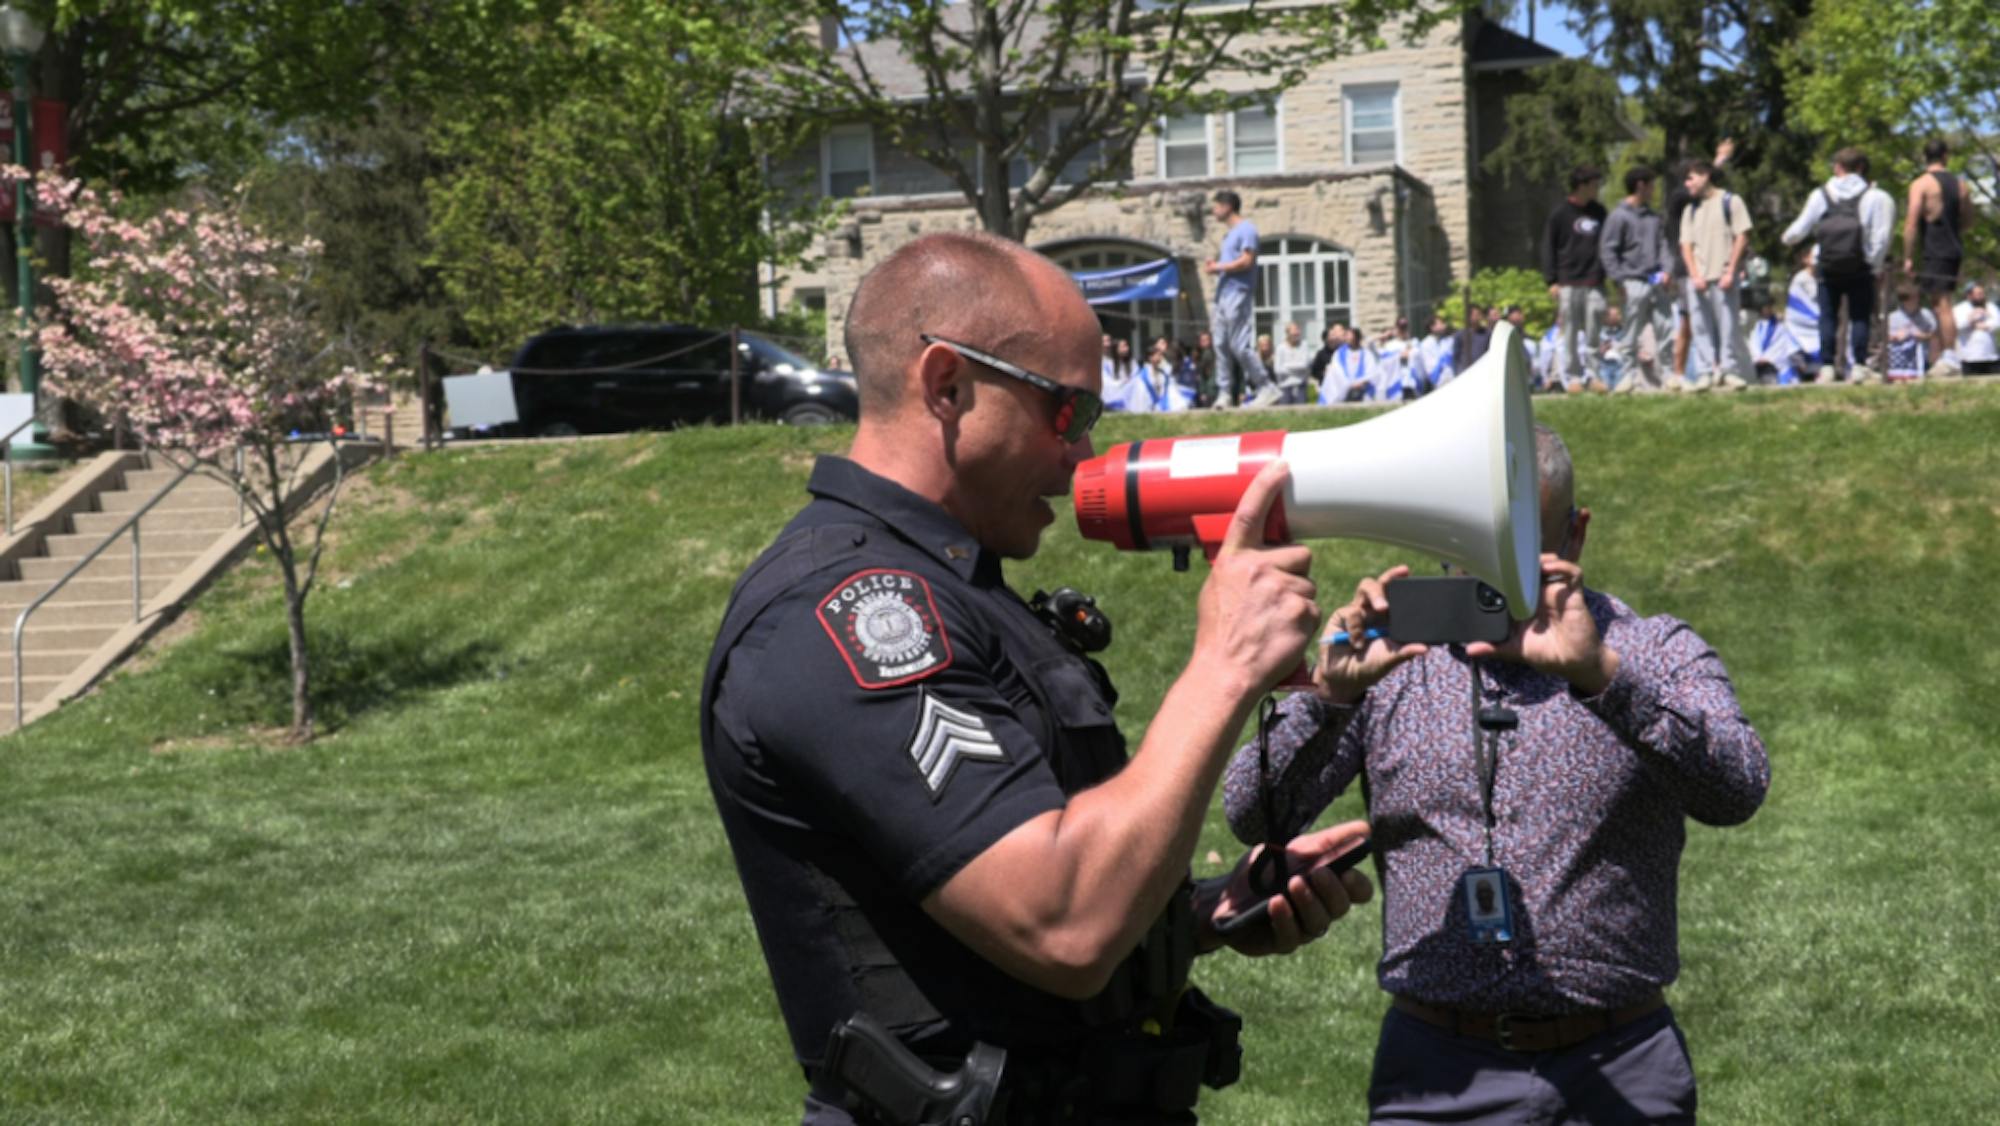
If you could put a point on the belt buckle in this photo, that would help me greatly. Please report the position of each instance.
(1503, 1031)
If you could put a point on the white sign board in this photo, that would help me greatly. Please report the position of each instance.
(15, 410)
(485, 399)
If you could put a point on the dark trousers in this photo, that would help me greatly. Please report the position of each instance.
(1636, 1073)
(1859, 291)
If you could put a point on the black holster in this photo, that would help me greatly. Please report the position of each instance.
(1130, 1075)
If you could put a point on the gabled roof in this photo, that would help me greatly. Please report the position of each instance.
(1496, 48)
(900, 79)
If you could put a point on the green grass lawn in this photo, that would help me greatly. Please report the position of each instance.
(496, 890)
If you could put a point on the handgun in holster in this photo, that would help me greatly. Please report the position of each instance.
(895, 1085)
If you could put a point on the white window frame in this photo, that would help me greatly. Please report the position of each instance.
(1347, 116)
(1275, 299)
(1278, 127)
(826, 157)
(1207, 148)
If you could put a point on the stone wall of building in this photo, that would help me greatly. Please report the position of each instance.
(1357, 211)
(1317, 193)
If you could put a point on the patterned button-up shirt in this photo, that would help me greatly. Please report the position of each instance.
(1589, 804)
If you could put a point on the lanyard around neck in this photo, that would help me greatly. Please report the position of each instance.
(1487, 724)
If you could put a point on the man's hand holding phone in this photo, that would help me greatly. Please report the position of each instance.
(1323, 886)
(1348, 668)
(1562, 638)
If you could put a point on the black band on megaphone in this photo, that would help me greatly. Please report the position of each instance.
(1134, 516)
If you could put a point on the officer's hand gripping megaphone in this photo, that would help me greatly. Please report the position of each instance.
(1451, 476)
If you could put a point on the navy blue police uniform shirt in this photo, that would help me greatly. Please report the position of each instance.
(880, 709)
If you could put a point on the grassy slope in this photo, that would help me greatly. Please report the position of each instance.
(497, 891)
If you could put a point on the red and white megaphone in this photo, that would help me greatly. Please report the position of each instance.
(1451, 476)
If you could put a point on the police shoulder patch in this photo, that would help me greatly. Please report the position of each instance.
(885, 624)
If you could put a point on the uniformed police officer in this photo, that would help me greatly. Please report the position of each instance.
(930, 806)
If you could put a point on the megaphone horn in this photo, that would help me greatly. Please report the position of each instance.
(1452, 476)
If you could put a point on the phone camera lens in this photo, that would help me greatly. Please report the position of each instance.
(1490, 600)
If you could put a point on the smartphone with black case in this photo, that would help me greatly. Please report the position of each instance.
(1231, 926)
(1450, 609)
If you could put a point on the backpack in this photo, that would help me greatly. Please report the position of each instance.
(1841, 254)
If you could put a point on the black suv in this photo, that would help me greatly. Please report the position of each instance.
(604, 379)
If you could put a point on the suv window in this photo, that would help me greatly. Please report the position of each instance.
(640, 349)
(700, 351)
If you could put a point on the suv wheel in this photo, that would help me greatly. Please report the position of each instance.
(810, 414)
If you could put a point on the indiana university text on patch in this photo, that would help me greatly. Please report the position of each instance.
(885, 624)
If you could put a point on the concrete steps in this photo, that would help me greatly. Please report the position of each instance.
(89, 623)
(96, 525)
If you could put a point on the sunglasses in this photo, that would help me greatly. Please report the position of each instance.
(1077, 410)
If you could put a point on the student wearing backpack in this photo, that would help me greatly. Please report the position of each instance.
(1715, 237)
(1851, 219)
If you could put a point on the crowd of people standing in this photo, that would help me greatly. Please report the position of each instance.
(1675, 318)
(1682, 273)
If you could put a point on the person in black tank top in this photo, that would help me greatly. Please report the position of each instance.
(1933, 248)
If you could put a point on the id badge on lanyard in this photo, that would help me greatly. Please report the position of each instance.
(1488, 890)
(1489, 907)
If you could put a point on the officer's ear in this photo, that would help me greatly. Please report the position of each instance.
(944, 379)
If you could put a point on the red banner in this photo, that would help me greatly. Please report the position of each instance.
(49, 132)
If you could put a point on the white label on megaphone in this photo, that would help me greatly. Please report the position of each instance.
(1204, 457)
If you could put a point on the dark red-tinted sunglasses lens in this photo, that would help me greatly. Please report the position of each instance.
(1077, 414)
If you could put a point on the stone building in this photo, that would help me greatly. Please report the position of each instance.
(1362, 181)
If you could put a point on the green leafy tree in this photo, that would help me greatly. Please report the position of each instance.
(160, 92)
(1889, 84)
(997, 74)
(1570, 115)
(1503, 288)
(1697, 73)
(358, 188)
(618, 175)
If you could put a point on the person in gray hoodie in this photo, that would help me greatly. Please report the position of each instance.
(1851, 219)
(1636, 259)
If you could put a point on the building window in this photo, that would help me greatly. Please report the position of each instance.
(1303, 281)
(1077, 169)
(1253, 141)
(1184, 146)
(847, 160)
(1374, 135)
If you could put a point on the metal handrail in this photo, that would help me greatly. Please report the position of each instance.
(7, 461)
(131, 522)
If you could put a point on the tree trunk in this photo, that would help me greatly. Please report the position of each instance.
(295, 621)
(991, 115)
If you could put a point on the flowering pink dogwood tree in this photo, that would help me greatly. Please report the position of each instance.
(193, 329)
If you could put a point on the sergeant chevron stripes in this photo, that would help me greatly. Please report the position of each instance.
(945, 737)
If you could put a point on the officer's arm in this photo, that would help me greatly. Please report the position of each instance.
(1061, 899)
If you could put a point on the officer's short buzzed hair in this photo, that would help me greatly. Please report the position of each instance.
(967, 286)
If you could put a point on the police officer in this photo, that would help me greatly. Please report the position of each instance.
(930, 806)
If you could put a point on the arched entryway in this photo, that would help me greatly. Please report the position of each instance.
(1140, 322)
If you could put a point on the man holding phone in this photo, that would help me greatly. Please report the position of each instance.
(1529, 800)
